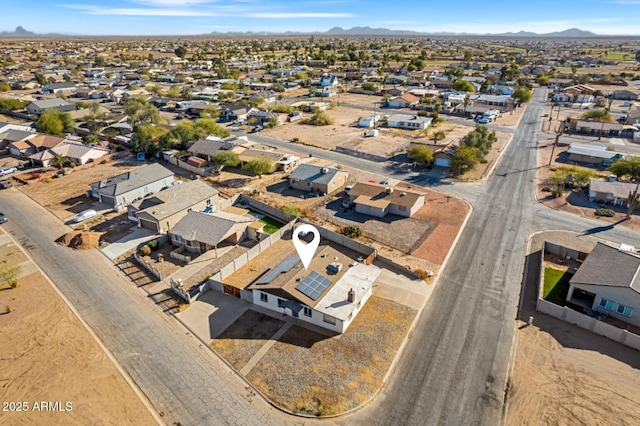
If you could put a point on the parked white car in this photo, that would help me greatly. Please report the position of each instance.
(84, 215)
(7, 170)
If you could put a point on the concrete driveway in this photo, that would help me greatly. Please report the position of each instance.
(128, 242)
(211, 314)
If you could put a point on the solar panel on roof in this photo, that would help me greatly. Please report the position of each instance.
(285, 266)
(313, 285)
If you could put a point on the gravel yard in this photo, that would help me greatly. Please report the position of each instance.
(400, 233)
(238, 343)
(309, 373)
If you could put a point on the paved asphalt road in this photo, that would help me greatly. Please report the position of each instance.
(182, 379)
(454, 369)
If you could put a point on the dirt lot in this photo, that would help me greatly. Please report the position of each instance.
(302, 373)
(50, 356)
(65, 196)
(565, 375)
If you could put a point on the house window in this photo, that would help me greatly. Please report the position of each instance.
(264, 297)
(281, 303)
(402, 208)
(607, 304)
(306, 311)
(176, 238)
(624, 310)
(328, 319)
(188, 243)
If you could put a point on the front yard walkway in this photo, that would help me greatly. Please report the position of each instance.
(128, 243)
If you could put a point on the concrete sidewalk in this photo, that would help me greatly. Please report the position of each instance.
(128, 242)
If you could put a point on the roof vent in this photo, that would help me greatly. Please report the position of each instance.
(403, 194)
(351, 296)
(388, 190)
(324, 170)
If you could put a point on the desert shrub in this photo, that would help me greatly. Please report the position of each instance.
(46, 180)
(605, 212)
(145, 250)
(119, 148)
(557, 192)
(351, 231)
(153, 245)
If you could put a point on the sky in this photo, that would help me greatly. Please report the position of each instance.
(191, 17)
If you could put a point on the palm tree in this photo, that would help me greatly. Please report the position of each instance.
(437, 135)
(60, 160)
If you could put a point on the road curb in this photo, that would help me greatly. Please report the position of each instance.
(139, 393)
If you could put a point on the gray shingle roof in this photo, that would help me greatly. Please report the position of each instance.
(207, 228)
(125, 182)
(175, 199)
(15, 135)
(210, 147)
(608, 266)
(50, 103)
(311, 173)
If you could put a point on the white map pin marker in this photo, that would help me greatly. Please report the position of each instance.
(306, 251)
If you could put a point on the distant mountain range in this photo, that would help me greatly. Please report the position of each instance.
(368, 31)
(20, 32)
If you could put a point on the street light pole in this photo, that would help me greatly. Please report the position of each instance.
(553, 148)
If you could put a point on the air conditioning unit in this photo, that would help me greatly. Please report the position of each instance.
(324, 170)
(388, 190)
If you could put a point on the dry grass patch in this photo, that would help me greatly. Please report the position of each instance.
(11, 254)
(313, 374)
(238, 343)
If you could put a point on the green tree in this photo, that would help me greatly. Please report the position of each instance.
(183, 135)
(180, 51)
(259, 166)
(147, 138)
(629, 167)
(226, 158)
(95, 120)
(55, 122)
(464, 159)
(481, 139)
(40, 78)
(173, 92)
(140, 112)
(210, 127)
(421, 154)
(522, 94)
(437, 136)
(7, 105)
(599, 115)
(463, 86)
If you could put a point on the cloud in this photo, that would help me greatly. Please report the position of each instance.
(174, 2)
(299, 15)
(98, 10)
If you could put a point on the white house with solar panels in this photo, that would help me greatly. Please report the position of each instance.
(329, 294)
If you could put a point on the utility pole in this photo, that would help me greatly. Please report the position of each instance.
(553, 148)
